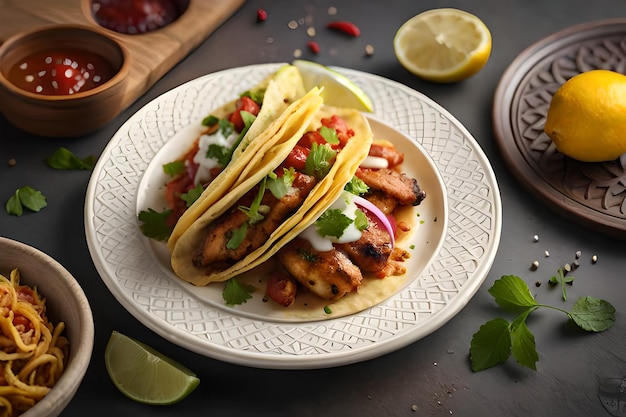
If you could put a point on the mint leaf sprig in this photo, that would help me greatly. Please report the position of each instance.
(497, 339)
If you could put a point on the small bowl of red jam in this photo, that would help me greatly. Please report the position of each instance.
(62, 80)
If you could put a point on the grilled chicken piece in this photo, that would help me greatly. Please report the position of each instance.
(214, 250)
(394, 184)
(371, 252)
(330, 275)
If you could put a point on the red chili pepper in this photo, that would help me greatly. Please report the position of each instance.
(313, 47)
(346, 27)
(261, 15)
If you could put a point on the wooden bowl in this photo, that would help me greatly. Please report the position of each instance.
(62, 112)
(66, 302)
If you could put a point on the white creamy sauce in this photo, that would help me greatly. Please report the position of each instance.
(350, 234)
(206, 164)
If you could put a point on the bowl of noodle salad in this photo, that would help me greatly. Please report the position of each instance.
(46, 333)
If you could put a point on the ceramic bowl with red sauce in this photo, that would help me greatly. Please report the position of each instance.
(62, 80)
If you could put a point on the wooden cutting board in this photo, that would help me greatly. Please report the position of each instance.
(152, 54)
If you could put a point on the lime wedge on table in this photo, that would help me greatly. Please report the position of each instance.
(145, 375)
(339, 90)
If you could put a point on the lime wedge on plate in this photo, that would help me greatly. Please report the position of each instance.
(338, 91)
(145, 375)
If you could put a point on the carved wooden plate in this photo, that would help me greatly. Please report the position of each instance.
(591, 194)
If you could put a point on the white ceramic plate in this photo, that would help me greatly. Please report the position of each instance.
(456, 251)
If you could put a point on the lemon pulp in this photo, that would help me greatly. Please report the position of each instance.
(338, 90)
(443, 45)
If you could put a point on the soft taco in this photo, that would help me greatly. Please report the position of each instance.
(311, 157)
(245, 119)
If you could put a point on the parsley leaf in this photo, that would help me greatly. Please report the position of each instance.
(360, 220)
(63, 158)
(495, 340)
(318, 162)
(236, 292)
(26, 197)
(560, 278)
(154, 224)
(332, 223)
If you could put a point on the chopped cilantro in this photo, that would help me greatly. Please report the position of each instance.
(25, 197)
(307, 255)
(220, 153)
(280, 186)
(332, 223)
(356, 186)
(226, 127)
(154, 224)
(63, 158)
(257, 96)
(360, 220)
(330, 135)
(236, 293)
(319, 161)
(237, 236)
(174, 168)
(210, 120)
(192, 195)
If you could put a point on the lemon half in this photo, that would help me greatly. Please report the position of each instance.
(338, 90)
(443, 45)
(145, 375)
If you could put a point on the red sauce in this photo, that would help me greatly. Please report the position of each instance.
(134, 16)
(61, 72)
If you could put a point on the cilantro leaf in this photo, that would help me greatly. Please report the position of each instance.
(356, 186)
(192, 195)
(280, 186)
(592, 314)
(25, 197)
(154, 224)
(237, 236)
(523, 342)
(330, 135)
(332, 223)
(13, 205)
(319, 160)
(236, 293)
(210, 120)
(512, 293)
(491, 345)
(63, 158)
(174, 168)
(220, 153)
(257, 96)
(360, 220)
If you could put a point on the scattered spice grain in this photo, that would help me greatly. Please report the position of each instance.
(536, 238)
(535, 265)
(313, 47)
(594, 259)
(261, 15)
(369, 50)
(12, 162)
(345, 26)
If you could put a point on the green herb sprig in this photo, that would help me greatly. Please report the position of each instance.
(497, 339)
(63, 158)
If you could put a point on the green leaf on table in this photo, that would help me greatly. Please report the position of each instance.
(491, 345)
(511, 293)
(593, 314)
(523, 342)
(25, 197)
(63, 158)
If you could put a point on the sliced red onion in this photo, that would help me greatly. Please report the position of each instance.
(375, 211)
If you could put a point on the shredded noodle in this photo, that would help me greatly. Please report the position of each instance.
(33, 351)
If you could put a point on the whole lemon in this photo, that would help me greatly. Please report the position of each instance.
(586, 119)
